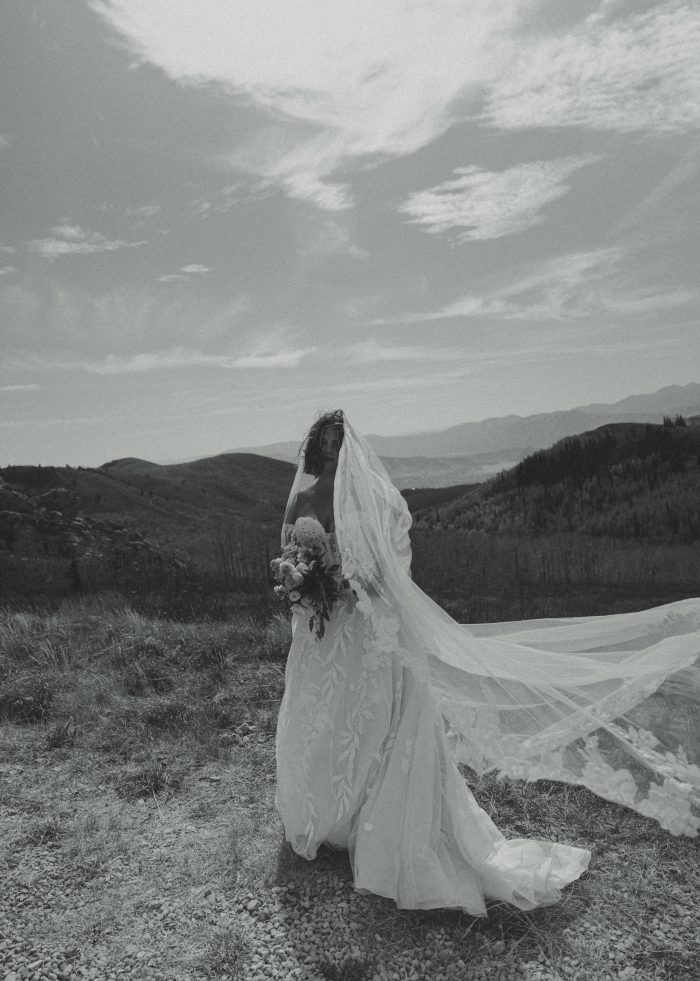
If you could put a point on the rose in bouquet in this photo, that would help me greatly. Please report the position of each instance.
(306, 580)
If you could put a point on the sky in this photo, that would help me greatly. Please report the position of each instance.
(218, 219)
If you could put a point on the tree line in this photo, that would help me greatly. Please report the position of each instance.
(640, 484)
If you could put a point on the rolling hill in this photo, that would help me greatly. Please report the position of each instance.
(218, 514)
(621, 480)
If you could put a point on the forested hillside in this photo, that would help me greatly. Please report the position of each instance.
(624, 481)
(606, 521)
(192, 530)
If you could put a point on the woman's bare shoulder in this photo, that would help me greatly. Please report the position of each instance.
(299, 505)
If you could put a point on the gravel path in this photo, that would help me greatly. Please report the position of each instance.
(320, 929)
(197, 883)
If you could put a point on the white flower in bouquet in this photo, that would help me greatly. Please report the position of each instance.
(294, 596)
(297, 577)
(309, 534)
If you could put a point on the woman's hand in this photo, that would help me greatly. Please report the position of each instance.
(369, 582)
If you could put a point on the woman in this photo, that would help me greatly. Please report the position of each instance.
(364, 761)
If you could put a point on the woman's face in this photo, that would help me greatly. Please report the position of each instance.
(330, 443)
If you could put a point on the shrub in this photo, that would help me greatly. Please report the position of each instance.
(26, 697)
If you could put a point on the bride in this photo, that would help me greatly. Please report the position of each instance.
(377, 713)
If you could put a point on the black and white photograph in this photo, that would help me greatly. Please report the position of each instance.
(349, 490)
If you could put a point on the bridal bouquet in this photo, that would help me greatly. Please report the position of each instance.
(306, 582)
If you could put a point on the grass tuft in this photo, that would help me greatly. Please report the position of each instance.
(149, 780)
(49, 832)
(61, 736)
(168, 714)
(227, 952)
(351, 969)
(26, 696)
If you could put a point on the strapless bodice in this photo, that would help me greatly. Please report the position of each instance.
(310, 521)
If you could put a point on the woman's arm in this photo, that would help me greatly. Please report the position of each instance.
(288, 525)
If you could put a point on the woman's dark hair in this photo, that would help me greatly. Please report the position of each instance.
(311, 447)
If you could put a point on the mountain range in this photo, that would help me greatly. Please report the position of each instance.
(472, 452)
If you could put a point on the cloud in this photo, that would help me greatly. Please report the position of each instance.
(53, 421)
(578, 286)
(73, 240)
(144, 212)
(487, 204)
(388, 384)
(372, 352)
(552, 289)
(47, 320)
(20, 388)
(6, 270)
(338, 81)
(221, 200)
(675, 188)
(357, 83)
(143, 215)
(328, 238)
(181, 357)
(193, 269)
(224, 321)
(623, 73)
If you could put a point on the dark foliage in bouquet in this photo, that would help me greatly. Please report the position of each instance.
(307, 583)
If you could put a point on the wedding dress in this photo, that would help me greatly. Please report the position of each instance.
(376, 714)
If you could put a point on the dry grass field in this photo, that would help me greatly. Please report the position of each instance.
(138, 835)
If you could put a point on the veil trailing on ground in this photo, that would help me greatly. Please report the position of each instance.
(608, 702)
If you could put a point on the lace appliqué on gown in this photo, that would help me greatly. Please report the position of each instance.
(363, 764)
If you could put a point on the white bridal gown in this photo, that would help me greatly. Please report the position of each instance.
(363, 764)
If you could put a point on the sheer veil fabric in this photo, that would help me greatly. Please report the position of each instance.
(608, 702)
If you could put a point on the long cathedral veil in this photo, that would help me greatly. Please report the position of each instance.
(608, 702)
